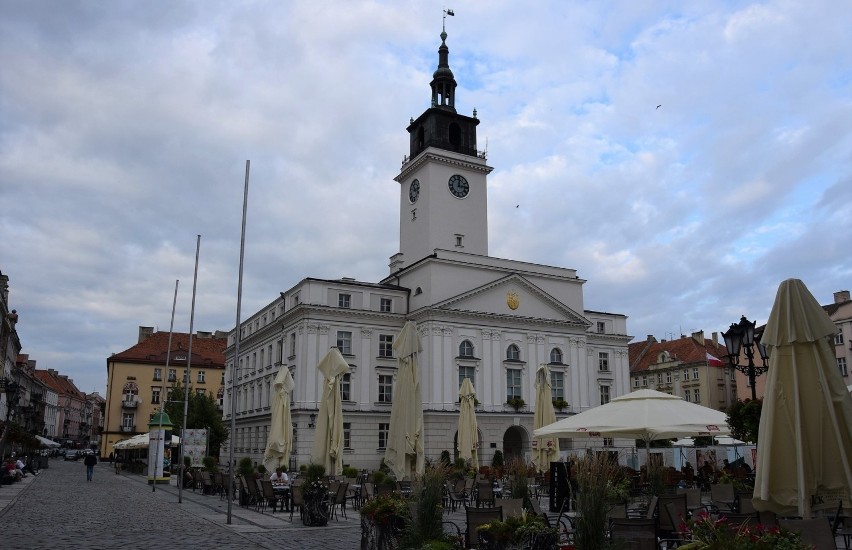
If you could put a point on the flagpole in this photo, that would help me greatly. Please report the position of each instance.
(163, 401)
(186, 372)
(237, 351)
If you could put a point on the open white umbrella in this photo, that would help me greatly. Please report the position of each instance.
(804, 458)
(45, 442)
(328, 441)
(643, 414)
(468, 432)
(684, 442)
(139, 441)
(280, 441)
(544, 449)
(404, 452)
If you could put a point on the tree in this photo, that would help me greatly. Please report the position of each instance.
(744, 419)
(203, 412)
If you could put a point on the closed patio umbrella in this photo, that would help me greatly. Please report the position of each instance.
(545, 449)
(804, 458)
(404, 452)
(45, 442)
(468, 432)
(328, 439)
(280, 441)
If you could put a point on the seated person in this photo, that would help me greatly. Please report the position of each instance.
(280, 477)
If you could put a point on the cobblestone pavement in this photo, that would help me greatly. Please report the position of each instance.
(59, 508)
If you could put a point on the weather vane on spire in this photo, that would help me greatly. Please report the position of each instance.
(444, 21)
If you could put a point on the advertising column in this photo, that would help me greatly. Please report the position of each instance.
(159, 447)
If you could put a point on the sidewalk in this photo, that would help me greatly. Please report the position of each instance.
(9, 493)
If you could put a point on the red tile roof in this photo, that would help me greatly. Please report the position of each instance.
(685, 350)
(205, 351)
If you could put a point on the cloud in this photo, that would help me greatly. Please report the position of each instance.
(125, 129)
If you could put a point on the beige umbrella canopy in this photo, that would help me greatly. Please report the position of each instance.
(468, 432)
(280, 442)
(804, 444)
(404, 453)
(545, 449)
(328, 439)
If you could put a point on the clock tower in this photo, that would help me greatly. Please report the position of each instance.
(443, 187)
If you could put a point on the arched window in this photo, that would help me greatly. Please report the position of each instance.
(556, 356)
(465, 349)
(513, 353)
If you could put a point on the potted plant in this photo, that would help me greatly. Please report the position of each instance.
(382, 520)
(516, 403)
(707, 534)
(315, 496)
(524, 532)
(597, 478)
(560, 404)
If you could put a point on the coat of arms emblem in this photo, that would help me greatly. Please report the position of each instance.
(513, 300)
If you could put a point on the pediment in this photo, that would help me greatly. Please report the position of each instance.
(513, 296)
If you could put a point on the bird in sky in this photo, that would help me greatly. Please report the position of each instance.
(658, 106)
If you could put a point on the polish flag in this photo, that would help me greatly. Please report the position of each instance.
(714, 361)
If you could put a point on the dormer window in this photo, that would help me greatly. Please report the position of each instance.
(344, 300)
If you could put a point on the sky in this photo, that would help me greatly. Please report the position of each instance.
(683, 157)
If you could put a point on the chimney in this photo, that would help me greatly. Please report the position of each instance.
(203, 334)
(841, 296)
(716, 338)
(698, 337)
(145, 333)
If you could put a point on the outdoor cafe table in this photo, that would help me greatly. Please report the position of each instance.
(283, 491)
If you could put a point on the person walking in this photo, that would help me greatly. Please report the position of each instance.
(90, 462)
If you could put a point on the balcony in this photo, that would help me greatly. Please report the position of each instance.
(129, 403)
(128, 429)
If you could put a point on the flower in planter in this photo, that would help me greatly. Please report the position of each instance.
(516, 403)
(710, 534)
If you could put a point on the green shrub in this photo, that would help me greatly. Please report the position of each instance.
(445, 458)
(497, 461)
(261, 469)
(245, 467)
(350, 472)
(209, 463)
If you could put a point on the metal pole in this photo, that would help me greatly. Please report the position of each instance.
(186, 372)
(163, 401)
(236, 351)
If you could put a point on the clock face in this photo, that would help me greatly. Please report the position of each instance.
(414, 191)
(458, 186)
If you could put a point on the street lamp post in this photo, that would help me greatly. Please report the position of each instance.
(741, 336)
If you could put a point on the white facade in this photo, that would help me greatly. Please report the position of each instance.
(494, 320)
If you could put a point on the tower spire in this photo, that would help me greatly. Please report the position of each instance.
(443, 82)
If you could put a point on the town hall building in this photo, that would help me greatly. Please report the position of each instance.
(488, 319)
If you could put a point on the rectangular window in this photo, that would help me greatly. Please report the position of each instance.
(385, 305)
(200, 391)
(280, 345)
(557, 385)
(172, 375)
(841, 365)
(344, 300)
(636, 382)
(292, 344)
(344, 342)
(345, 387)
(686, 374)
(601, 327)
(513, 383)
(687, 395)
(644, 380)
(604, 395)
(127, 421)
(660, 378)
(383, 435)
(695, 373)
(385, 388)
(603, 361)
(469, 373)
(155, 395)
(201, 377)
(838, 338)
(696, 395)
(261, 364)
(668, 377)
(347, 435)
(608, 442)
(158, 374)
(385, 345)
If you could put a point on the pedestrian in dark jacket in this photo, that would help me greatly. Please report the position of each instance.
(90, 462)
